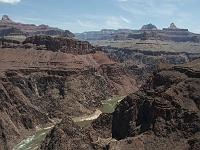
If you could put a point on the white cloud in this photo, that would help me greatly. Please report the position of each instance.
(125, 20)
(115, 22)
(150, 7)
(10, 1)
(101, 21)
(87, 24)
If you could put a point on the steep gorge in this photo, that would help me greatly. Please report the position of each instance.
(47, 79)
(40, 87)
(163, 114)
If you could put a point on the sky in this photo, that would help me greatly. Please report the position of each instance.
(93, 15)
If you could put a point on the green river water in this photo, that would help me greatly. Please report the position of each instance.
(108, 107)
(33, 141)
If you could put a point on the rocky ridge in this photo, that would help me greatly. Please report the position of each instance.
(11, 28)
(147, 32)
(45, 79)
(163, 114)
(38, 87)
(66, 45)
(62, 44)
(68, 78)
(104, 34)
(149, 27)
(143, 62)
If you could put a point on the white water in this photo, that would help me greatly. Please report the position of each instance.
(32, 141)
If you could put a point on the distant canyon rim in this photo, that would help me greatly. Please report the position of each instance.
(49, 76)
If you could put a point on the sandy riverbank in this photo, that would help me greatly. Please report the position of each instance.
(93, 116)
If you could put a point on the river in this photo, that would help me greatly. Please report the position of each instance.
(32, 142)
(108, 107)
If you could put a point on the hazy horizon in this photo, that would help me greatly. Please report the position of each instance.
(93, 15)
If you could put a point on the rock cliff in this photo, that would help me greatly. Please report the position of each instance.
(46, 79)
(165, 109)
(39, 87)
(48, 43)
(104, 34)
(63, 44)
(163, 114)
(11, 28)
(142, 63)
(149, 27)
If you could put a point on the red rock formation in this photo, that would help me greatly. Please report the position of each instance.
(63, 44)
(163, 114)
(7, 26)
(38, 86)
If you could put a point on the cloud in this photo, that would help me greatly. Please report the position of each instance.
(125, 20)
(87, 24)
(115, 22)
(150, 7)
(10, 1)
(98, 22)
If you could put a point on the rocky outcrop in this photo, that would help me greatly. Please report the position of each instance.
(167, 107)
(67, 135)
(61, 44)
(6, 18)
(163, 114)
(175, 34)
(11, 31)
(149, 27)
(39, 87)
(142, 63)
(105, 34)
(66, 45)
(173, 27)
(11, 28)
(18, 114)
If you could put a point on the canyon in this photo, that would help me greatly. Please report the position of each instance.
(162, 114)
(40, 87)
(52, 79)
(147, 32)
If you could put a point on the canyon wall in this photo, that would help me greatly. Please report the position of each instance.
(40, 87)
(163, 114)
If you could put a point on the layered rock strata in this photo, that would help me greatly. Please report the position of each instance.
(147, 32)
(40, 87)
(163, 114)
(11, 28)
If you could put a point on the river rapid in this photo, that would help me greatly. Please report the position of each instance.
(32, 142)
